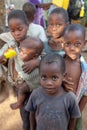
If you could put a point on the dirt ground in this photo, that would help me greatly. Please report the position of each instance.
(10, 119)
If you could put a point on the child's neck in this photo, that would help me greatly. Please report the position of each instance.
(72, 60)
(59, 92)
(22, 41)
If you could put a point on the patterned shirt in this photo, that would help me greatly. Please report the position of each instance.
(82, 86)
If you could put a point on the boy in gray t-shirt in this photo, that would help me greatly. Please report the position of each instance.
(50, 106)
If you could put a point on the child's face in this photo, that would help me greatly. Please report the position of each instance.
(27, 54)
(18, 29)
(51, 78)
(56, 25)
(73, 44)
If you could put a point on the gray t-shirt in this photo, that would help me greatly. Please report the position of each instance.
(53, 112)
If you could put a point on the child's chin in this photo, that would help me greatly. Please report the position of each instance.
(73, 57)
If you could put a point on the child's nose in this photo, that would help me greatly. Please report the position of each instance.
(72, 47)
(17, 33)
(54, 27)
(49, 82)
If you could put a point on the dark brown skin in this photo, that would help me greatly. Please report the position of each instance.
(73, 44)
(56, 25)
(32, 121)
(27, 52)
(72, 123)
(73, 69)
(82, 103)
(56, 44)
(45, 6)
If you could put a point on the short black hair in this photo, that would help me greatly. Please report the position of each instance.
(53, 57)
(61, 11)
(18, 14)
(33, 43)
(75, 27)
(29, 10)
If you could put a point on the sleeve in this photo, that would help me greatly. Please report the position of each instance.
(42, 35)
(85, 94)
(3, 49)
(31, 104)
(74, 110)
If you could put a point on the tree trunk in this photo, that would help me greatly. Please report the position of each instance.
(2, 16)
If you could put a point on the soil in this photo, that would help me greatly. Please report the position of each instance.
(9, 119)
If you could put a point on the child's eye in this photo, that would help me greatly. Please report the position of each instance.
(58, 25)
(43, 77)
(77, 44)
(67, 44)
(54, 78)
(11, 30)
(20, 29)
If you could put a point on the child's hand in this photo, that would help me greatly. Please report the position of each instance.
(56, 44)
(29, 66)
(68, 83)
(2, 59)
(45, 6)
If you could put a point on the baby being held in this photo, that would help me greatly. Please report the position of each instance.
(30, 49)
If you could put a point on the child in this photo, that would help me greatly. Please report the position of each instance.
(50, 105)
(18, 25)
(39, 15)
(30, 48)
(57, 22)
(34, 30)
(76, 67)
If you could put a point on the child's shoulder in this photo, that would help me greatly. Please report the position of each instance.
(37, 92)
(70, 96)
(36, 26)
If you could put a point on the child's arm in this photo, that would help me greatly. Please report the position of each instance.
(32, 121)
(82, 103)
(72, 123)
(31, 65)
(2, 59)
(45, 6)
(74, 111)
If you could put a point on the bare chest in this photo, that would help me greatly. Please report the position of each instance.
(73, 70)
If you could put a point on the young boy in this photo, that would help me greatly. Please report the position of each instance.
(39, 15)
(34, 30)
(30, 48)
(18, 25)
(57, 22)
(76, 67)
(50, 105)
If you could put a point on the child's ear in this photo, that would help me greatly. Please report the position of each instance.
(67, 23)
(86, 42)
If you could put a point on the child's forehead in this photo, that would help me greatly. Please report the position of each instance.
(54, 65)
(56, 15)
(17, 20)
(74, 34)
(56, 18)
